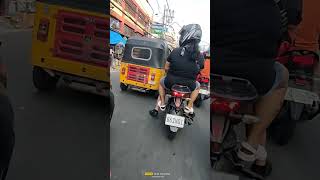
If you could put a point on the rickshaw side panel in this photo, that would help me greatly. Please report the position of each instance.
(46, 53)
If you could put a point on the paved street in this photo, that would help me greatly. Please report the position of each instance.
(59, 135)
(139, 142)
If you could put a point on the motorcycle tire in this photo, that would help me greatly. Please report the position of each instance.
(42, 80)
(198, 101)
(123, 87)
(283, 129)
(213, 163)
(171, 135)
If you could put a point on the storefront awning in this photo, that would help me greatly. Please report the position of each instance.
(116, 38)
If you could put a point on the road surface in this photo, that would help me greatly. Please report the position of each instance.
(59, 135)
(138, 142)
(62, 135)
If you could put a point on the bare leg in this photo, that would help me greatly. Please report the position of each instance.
(193, 97)
(267, 109)
(162, 94)
(157, 107)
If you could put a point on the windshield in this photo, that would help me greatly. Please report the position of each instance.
(141, 53)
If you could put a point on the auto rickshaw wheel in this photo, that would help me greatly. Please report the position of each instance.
(123, 87)
(42, 80)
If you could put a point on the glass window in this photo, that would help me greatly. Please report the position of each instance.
(141, 53)
(128, 31)
(131, 8)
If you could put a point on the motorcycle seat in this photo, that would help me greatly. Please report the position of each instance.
(181, 89)
(232, 88)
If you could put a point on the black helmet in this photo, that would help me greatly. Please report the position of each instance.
(190, 32)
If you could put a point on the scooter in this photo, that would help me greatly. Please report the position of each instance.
(301, 103)
(175, 117)
(204, 92)
(232, 101)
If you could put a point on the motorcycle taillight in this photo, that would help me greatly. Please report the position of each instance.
(178, 94)
(43, 30)
(301, 81)
(123, 71)
(224, 106)
(153, 76)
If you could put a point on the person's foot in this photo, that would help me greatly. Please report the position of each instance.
(161, 106)
(153, 113)
(188, 110)
(262, 170)
(242, 157)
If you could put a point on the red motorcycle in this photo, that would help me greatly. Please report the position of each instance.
(204, 92)
(232, 101)
(175, 117)
(301, 103)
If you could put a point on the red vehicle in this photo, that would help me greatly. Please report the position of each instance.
(204, 80)
(301, 103)
(229, 96)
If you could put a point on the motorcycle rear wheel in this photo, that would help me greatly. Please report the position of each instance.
(171, 135)
(198, 101)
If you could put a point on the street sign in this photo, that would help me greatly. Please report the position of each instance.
(156, 31)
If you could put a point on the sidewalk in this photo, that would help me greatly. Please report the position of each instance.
(6, 27)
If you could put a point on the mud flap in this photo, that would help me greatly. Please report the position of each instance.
(219, 128)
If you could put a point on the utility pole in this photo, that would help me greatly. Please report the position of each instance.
(168, 16)
(164, 21)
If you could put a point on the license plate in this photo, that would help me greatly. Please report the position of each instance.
(204, 91)
(301, 96)
(174, 120)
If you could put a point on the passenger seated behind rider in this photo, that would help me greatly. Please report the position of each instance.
(183, 65)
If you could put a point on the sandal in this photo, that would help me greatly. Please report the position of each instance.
(153, 113)
(262, 170)
(188, 110)
(163, 107)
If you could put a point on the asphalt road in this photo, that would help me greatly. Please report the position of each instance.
(59, 135)
(62, 135)
(138, 142)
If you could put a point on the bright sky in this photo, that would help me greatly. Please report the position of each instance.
(186, 12)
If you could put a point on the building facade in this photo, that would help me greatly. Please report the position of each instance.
(128, 18)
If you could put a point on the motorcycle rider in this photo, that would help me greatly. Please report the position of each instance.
(245, 47)
(182, 67)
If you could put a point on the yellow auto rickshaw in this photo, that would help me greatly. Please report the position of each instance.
(70, 42)
(142, 65)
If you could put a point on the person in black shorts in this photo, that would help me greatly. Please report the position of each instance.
(246, 38)
(183, 65)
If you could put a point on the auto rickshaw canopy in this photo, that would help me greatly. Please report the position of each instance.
(145, 51)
